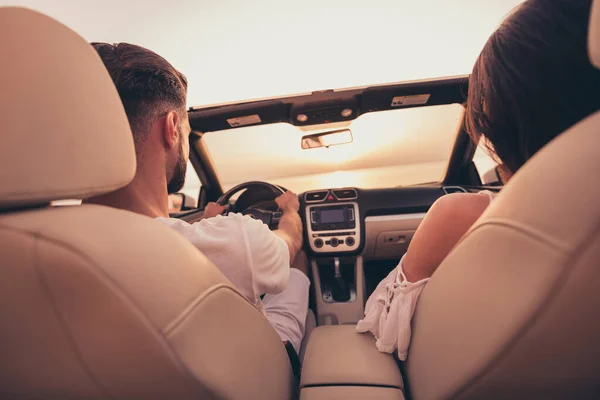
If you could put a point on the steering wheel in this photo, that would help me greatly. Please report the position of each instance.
(270, 218)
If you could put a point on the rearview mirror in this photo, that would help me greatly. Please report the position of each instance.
(326, 139)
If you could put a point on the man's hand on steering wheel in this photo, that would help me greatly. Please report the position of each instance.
(213, 209)
(288, 225)
(288, 202)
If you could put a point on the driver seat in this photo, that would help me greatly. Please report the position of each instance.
(97, 302)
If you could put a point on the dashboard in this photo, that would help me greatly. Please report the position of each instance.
(347, 222)
(374, 223)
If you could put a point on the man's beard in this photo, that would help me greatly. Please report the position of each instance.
(177, 180)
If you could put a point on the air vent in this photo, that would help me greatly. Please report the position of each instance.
(317, 196)
(454, 189)
(345, 194)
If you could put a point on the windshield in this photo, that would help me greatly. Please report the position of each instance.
(390, 148)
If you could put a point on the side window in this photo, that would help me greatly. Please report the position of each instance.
(192, 182)
(191, 189)
(486, 165)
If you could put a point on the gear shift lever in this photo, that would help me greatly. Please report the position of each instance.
(339, 290)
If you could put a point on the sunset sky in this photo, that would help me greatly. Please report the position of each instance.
(242, 49)
(234, 50)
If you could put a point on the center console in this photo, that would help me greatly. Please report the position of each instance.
(333, 221)
(339, 362)
(342, 364)
(333, 230)
(340, 289)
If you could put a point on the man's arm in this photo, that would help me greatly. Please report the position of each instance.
(290, 224)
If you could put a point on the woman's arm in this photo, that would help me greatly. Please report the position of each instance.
(447, 221)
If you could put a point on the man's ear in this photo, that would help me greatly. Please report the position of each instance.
(170, 132)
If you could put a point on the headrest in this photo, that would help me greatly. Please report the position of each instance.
(594, 34)
(64, 130)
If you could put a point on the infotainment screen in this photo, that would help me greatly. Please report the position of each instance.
(333, 216)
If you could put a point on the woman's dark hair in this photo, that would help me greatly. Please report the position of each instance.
(533, 79)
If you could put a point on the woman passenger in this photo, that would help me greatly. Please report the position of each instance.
(532, 81)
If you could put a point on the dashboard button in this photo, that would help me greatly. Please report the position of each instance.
(334, 242)
(350, 241)
(319, 243)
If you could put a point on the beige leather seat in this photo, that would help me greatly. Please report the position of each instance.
(513, 312)
(97, 302)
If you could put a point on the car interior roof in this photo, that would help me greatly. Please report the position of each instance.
(362, 100)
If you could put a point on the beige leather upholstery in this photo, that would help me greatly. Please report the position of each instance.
(513, 310)
(96, 302)
(594, 34)
(351, 393)
(337, 355)
(311, 324)
(64, 131)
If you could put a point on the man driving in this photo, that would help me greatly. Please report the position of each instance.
(255, 259)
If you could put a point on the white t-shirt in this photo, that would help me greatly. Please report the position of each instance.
(253, 258)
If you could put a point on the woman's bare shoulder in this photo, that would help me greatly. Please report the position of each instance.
(467, 205)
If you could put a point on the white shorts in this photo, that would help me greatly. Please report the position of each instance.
(389, 311)
(287, 310)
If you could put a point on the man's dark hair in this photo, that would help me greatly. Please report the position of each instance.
(533, 79)
(147, 83)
